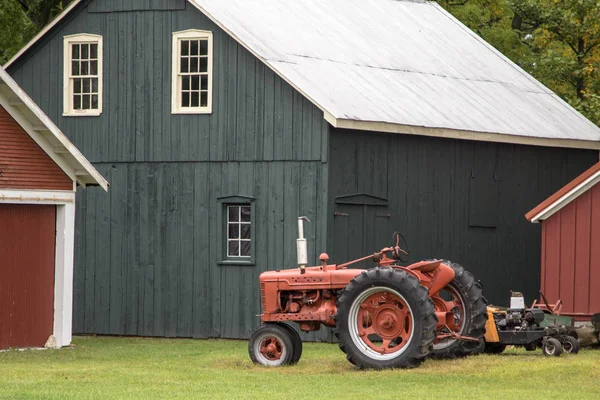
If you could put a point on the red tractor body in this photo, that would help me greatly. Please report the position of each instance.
(389, 316)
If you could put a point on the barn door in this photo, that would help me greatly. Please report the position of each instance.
(27, 245)
(360, 229)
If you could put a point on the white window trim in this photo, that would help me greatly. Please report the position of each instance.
(68, 110)
(176, 107)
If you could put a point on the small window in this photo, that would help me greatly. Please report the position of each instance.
(192, 72)
(82, 75)
(239, 230)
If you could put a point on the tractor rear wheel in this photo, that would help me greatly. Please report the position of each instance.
(271, 345)
(464, 298)
(385, 319)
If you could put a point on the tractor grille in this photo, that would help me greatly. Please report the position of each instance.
(263, 296)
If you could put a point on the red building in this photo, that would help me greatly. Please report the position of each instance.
(571, 245)
(39, 172)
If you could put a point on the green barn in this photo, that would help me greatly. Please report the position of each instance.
(219, 122)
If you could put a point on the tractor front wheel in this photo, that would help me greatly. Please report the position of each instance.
(296, 343)
(271, 345)
(385, 319)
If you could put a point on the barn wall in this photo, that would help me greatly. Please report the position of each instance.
(147, 253)
(455, 199)
(571, 256)
(23, 164)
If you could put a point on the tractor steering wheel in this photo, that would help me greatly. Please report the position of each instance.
(400, 246)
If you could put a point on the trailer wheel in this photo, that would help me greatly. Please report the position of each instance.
(552, 347)
(570, 345)
(385, 319)
(464, 297)
(296, 343)
(494, 348)
(271, 345)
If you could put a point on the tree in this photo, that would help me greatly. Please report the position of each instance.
(22, 19)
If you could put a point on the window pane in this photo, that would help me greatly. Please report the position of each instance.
(194, 64)
(85, 67)
(93, 50)
(195, 82)
(194, 48)
(185, 82)
(203, 99)
(93, 67)
(86, 85)
(85, 102)
(185, 47)
(75, 68)
(246, 214)
(195, 99)
(245, 250)
(204, 81)
(77, 85)
(94, 85)
(185, 99)
(245, 231)
(233, 231)
(95, 101)
(75, 51)
(234, 214)
(204, 47)
(233, 248)
(184, 64)
(77, 102)
(203, 64)
(84, 51)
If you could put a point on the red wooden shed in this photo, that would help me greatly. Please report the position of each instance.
(571, 245)
(39, 171)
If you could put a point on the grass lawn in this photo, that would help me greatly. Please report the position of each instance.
(142, 368)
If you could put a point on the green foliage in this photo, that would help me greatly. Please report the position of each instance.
(17, 29)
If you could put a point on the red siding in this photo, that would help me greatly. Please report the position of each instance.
(27, 243)
(571, 255)
(23, 164)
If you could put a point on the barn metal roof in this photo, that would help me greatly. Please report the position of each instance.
(400, 66)
(46, 134)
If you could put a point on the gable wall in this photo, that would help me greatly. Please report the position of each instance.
(23, 164)
(148, 252)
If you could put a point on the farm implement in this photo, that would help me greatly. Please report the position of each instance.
(388, 316)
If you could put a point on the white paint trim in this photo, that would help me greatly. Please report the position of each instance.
(567, 198)
(68, 110)
(63, 274)
(176, 107)
(458, 134)
(42, 32)
(75, 159)
(22, 196)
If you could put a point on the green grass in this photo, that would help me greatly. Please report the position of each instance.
(142, 368)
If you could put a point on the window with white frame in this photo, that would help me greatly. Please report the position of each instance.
(192, 72)
(239, 227)
(82, 75)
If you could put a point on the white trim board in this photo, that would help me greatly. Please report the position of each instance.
(567, 198)
(23, 196)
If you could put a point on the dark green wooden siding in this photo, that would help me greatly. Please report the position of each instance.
(454, 199)
(147, 252)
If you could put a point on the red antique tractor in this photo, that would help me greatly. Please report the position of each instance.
(388, 316)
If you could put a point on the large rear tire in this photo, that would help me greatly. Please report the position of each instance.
(385, 319)
(464, 297)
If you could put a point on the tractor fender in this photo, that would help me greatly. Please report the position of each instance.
(439, 275)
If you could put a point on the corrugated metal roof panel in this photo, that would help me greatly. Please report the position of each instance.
(399, 62)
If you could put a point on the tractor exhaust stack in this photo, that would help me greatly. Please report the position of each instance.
(301, 248)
